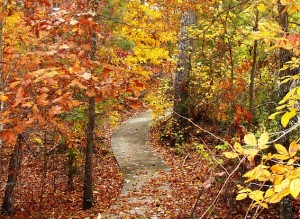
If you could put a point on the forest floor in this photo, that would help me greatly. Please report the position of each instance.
(192, 176)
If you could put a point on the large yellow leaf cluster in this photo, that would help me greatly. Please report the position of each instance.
(281, 169)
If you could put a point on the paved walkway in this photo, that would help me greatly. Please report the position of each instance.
(139, 165)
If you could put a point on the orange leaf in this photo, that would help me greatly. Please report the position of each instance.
(135, 105)
(2, 16)
(105, 73)
(3, 98)
(8, 136)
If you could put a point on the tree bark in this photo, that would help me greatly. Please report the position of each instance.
(286, 208)
(254, 67)
(88, 173)
(181, 85)
(13, 169)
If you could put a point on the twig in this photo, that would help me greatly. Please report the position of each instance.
(221, 190)
(185, 159)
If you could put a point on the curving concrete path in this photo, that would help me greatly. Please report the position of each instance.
(139, 164)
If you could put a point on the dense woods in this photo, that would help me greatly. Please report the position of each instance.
(228, 71)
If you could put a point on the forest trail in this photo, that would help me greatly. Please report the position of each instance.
(140, 167)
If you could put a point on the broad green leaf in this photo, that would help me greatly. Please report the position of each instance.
(230, 155)
(263, 139)
(281, 149)
(287, 116)
(241, 196)
(239, 148)
(293, 149)
(295, 187)
(250, 139)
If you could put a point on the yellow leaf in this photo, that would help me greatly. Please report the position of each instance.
(291, 161)
(272, 116)
(269, 193)
(278, 169)
(245, 190)
(256, 195)
(287, 116)
(288, 95)
(281, 156)
(282, 186)
(278, 196)
(250, 139)
(263, 204)
(241, 196)
(294, 147)
(230, 155)
(294, 174)
(281, 149)
(3, 98)
(239, 148)
(277, 180)
(263, 139)
(264, 175)
(295, 187)
(261, 8)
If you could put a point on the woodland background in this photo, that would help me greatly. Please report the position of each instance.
(228, 70)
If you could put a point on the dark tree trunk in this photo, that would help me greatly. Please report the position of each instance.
(254, 67)
(13, 169)
(181, 85)
(286, 209)
(88, 171)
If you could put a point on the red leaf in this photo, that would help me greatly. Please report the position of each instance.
(135, 105)
(138, 84)
(105, 73)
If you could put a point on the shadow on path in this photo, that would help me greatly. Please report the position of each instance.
(139, 165)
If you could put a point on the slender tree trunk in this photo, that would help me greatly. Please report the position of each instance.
(88, 176)
(253, 70)
(13, 169)
(286, 208)
(181, 85)
(1, 81)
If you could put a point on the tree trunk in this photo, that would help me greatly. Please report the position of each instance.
(1, 82)
(13, 169)
(181, 85)
(286, 209)
(88, 171)
(253, 70)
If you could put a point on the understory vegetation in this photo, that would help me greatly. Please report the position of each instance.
(221, 78)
